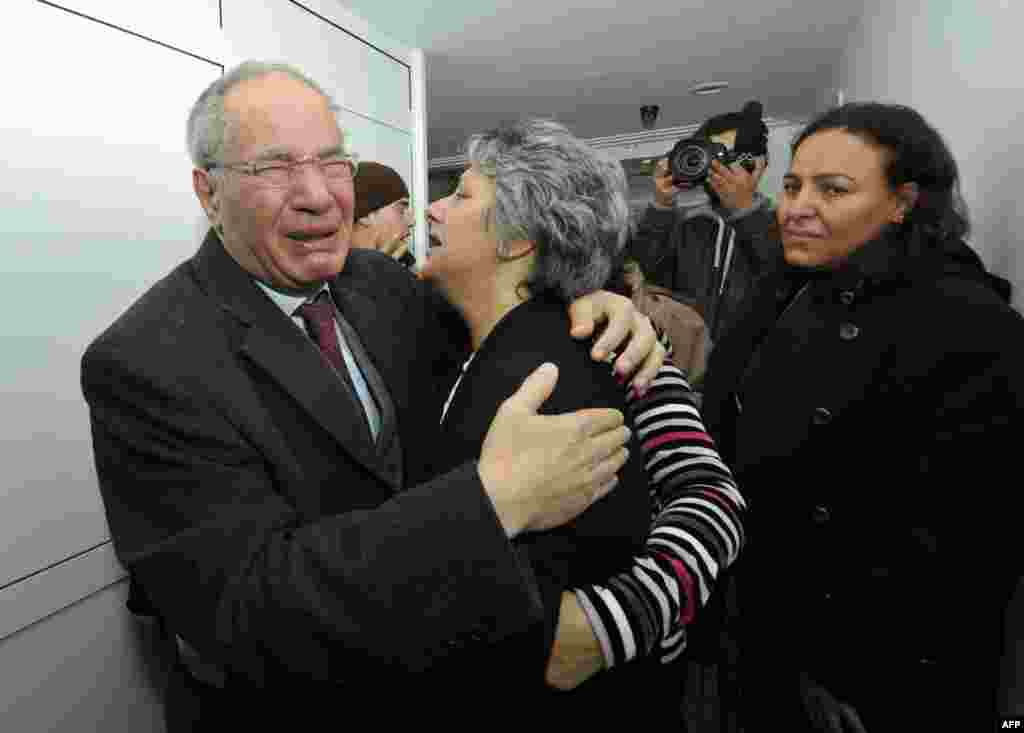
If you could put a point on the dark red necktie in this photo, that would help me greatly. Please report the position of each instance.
(319, 319)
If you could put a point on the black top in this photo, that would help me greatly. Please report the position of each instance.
(599, 543)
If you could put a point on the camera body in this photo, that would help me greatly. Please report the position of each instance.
(690, 160)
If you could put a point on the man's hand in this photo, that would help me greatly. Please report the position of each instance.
(576, 655)
(643, 354)
(664, 192)
(734, 185)
(541, 471)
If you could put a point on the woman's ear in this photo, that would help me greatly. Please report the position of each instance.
(906, 197)
(514, 249)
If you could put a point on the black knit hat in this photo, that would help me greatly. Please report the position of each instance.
(376, 186)
(752, 132)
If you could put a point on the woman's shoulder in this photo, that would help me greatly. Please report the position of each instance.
(538, 331)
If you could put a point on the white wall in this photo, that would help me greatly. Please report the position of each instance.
(958, 62)
(95, 186)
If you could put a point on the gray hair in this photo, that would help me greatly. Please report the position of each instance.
(207, 125)
(566, 197)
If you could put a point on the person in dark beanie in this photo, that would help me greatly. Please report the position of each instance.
(382, 217)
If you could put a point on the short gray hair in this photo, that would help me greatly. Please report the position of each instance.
(557, 191)
(207, 126)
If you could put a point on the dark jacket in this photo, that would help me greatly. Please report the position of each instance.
(595, 546)
(707, 256)
(864, 411)
(271, 537)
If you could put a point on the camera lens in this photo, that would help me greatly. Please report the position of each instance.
(690, 161)
(694, 159)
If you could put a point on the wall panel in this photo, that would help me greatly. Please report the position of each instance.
(363, 79)
(96, 191)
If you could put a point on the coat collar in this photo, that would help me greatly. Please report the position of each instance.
(892, 259)
(271, 341)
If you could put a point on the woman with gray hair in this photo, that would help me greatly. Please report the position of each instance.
(539, 218)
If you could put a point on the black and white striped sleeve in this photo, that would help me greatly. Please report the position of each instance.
(696, 533)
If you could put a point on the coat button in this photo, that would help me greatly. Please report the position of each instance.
(821, 514)
(822, 416)
(849, 331)
(847, 297)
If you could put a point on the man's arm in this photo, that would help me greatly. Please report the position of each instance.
(750, 213)
(649, 243)
(758, 233)
(250, 581)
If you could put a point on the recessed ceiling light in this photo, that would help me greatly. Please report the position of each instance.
(709, 87)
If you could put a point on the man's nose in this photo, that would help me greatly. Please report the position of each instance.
(311, 192)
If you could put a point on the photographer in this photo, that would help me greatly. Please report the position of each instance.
(710, 251)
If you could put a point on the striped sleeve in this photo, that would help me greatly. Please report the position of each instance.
(696, 531)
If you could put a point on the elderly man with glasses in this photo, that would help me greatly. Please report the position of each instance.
(261, 418)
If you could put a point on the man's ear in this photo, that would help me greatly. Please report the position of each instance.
(206, 191)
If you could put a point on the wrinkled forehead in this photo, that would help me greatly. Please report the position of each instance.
(279, 113)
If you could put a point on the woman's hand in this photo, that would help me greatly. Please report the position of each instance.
(576, 655)
(642, 356)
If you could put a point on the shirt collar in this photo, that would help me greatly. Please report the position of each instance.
(289, 303)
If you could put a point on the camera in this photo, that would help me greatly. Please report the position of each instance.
(690, 160)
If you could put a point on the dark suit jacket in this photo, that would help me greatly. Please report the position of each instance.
(598, 544)
(240, 494)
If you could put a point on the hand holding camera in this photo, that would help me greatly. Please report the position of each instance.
(729, 173)
(664, 189)
(736, 184)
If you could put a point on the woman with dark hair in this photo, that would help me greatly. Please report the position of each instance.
(871, 384)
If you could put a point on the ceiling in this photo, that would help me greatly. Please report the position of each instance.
(591, 65)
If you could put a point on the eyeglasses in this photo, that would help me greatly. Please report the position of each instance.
(283, 174)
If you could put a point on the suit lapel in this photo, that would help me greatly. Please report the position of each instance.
(375, 343)
(272, 342)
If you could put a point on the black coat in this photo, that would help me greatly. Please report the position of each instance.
(864, 413)
(269, 536)
(712, 261)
